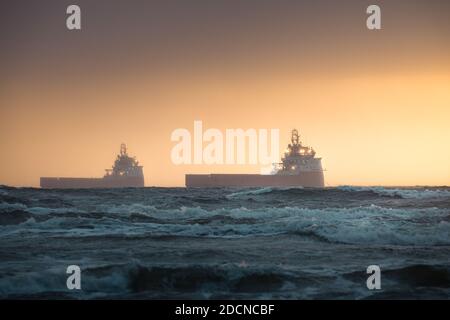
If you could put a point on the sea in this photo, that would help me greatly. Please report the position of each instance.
(225, 243)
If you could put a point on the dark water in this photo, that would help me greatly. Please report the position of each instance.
(225, 243)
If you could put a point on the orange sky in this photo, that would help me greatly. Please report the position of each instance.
(375, 107)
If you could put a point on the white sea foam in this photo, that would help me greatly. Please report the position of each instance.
(250, 192)
(253, 192)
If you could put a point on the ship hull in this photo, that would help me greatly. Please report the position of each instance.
(313, 179)
(81, 183)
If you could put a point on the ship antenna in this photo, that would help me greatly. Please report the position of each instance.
(123, 149)
(295, 137)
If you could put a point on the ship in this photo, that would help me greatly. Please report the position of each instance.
(299, 167)
(126, 172)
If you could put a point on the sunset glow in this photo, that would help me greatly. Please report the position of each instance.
(374, 106)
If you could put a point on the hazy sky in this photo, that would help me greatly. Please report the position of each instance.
(375, 105)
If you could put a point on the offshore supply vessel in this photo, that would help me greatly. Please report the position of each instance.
(126, 172)
(298, 167)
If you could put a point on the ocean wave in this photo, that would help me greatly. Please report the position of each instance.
(341, 192)
(14, 217)
(421, 276)
(48, 211)
(415, 275)
(8, 207)
(206, 278)
(215, 280)
(369, 225)
(132, 279)
(222, 281)
(252, 192)
(248, 193)
(404, 193)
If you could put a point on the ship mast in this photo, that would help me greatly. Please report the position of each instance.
(295, 138)
(296, 144)
(123, 149)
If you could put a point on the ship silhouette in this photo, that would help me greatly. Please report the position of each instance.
(298, 168)
(126, 172)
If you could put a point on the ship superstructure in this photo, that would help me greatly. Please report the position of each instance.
(126, 172)
(124, 166)
(298, 158)
(298, 167)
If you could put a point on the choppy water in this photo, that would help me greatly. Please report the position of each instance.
(225, 243)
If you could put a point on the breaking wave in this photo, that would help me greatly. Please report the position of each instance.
(265, 190)
(358, 225)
